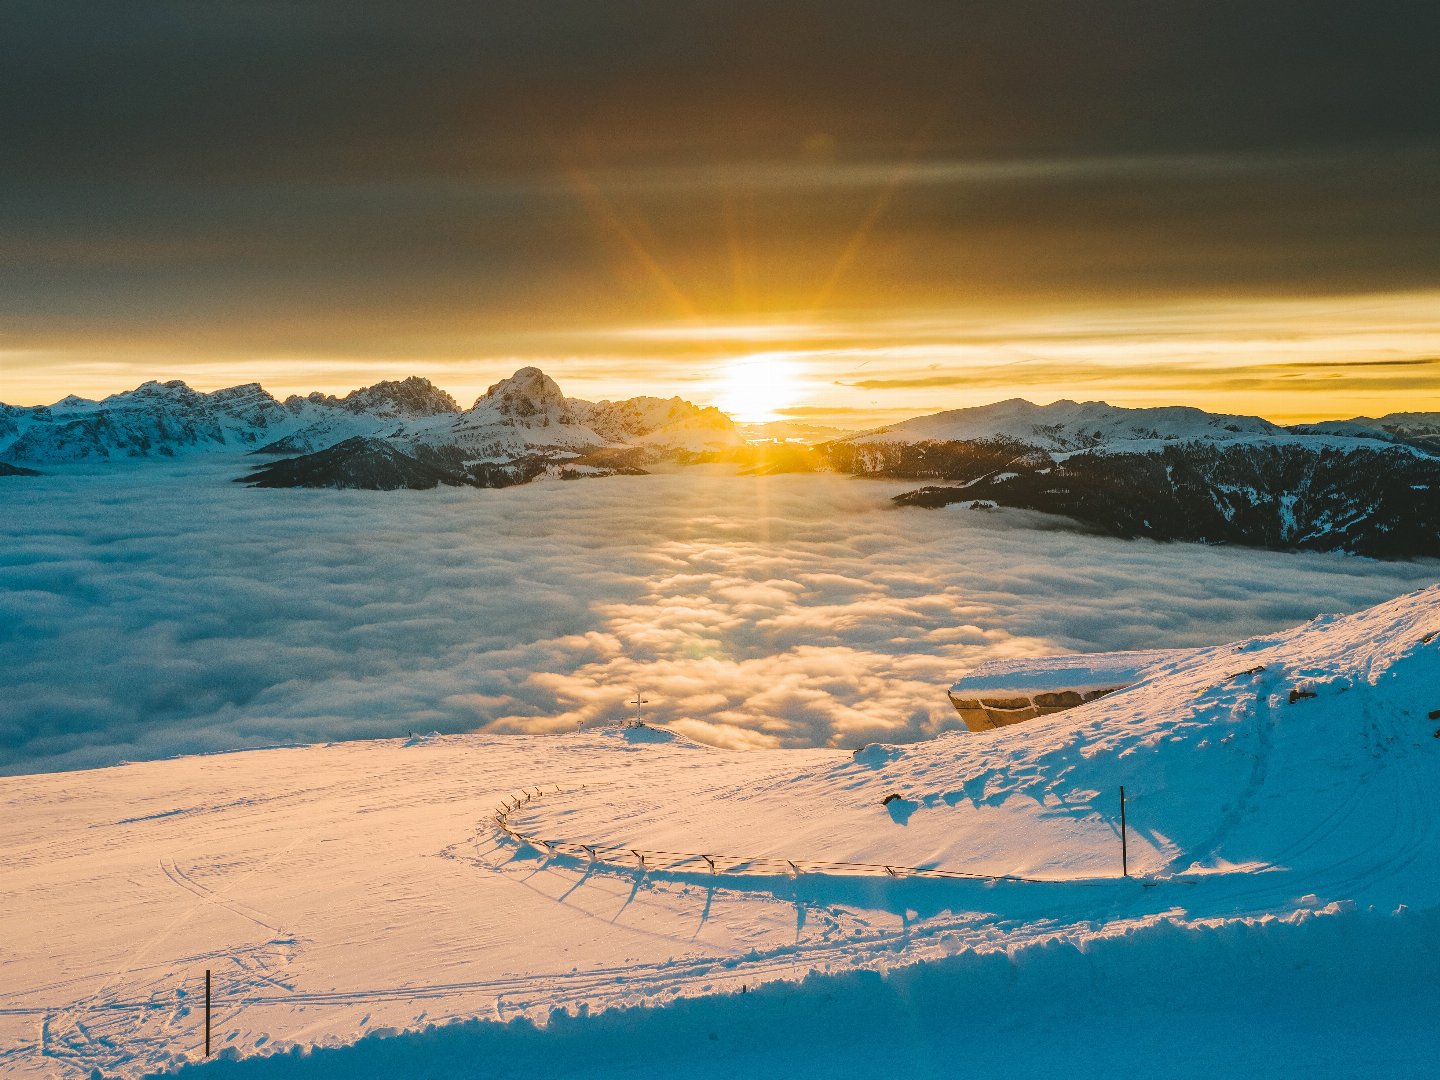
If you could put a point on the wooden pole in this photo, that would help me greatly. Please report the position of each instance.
(1124, 851)
(207, 1012)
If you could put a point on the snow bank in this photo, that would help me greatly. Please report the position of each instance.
(1331, 996)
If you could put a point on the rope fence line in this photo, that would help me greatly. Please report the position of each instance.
(738, 865)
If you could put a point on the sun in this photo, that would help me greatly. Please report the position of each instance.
(754, 389)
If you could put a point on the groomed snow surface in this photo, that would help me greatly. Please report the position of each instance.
(364, 915)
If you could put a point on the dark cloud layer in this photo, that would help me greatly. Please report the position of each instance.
(236, 88)
(410, 180)
(159, 609)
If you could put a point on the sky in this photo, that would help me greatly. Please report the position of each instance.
(842, 212)
(753, 612)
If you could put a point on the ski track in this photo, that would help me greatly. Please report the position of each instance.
(140, 1009)
(145, 1014)
(171, 870)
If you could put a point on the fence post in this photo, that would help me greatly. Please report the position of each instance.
(207, 1012)
(1124, 849)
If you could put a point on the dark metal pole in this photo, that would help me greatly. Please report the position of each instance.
(207, 1012)
(1124, 852)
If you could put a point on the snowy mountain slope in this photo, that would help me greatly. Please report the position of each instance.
(327, 426)
(1068, 427)
(1071, 425)
(1170, 474)
(523, 415)
(624, 421)
(369, 412)
(1420, 429)
(1374, 502)
(167, 419)
(1405, 423)
(659, 423)
(1284, 806)
(154, 419)
(358, 462)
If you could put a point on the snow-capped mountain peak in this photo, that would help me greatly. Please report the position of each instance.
(172, 390)
(154, 419)
(412, 397)
(529, 398)
(249, 403)
(1073, 425)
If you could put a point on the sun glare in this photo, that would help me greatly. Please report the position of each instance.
(754, 389)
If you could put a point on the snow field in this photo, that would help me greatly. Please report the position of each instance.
(1282, 920)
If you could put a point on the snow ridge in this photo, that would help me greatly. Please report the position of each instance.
(1066, 426)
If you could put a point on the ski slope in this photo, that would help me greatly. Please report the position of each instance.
(1284, 846)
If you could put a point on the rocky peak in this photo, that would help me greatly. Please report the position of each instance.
(412, 397)
(250, 391)
(249, 403)
(175, 391)
(529, 398)
(246, 395)
(296, 403)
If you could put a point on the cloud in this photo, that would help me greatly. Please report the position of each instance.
(158, 609)
(1419, 361)
(1397, 376)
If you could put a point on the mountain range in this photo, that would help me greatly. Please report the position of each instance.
(405, 433)
(1365, 485)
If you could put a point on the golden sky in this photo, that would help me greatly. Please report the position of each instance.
(844, 212)
(1287, 359)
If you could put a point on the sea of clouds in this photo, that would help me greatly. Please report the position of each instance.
(156, 609)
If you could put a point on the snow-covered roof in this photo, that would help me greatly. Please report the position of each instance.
(1030, 675)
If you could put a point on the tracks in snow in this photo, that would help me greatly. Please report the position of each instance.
(171, 869)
